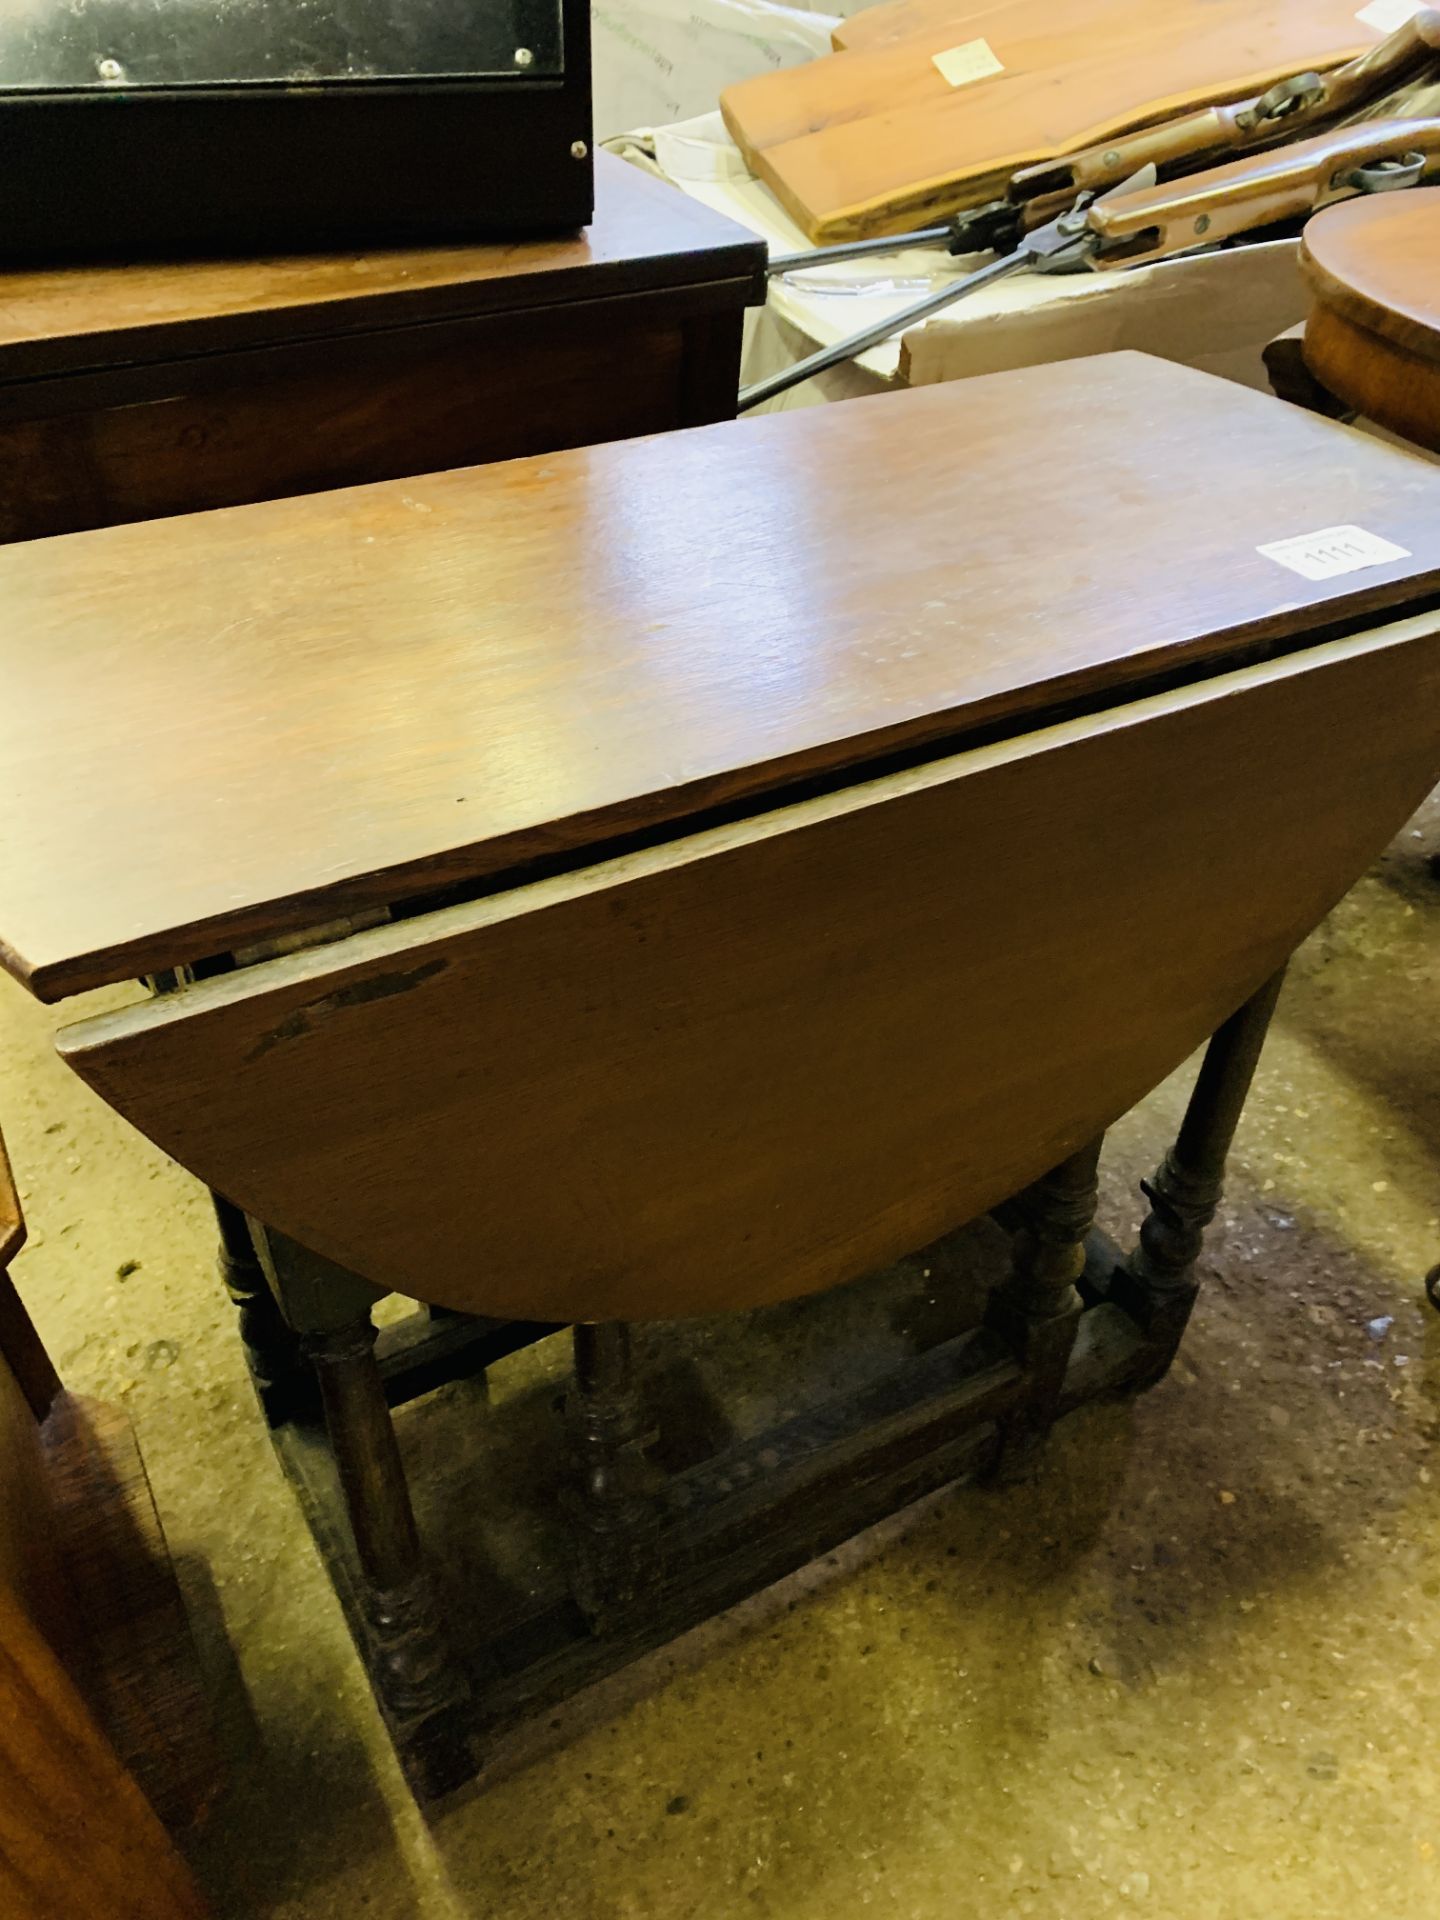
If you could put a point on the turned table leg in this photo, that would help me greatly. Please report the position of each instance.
(277, 1366)
(612, 1514)
(1157, 1286)
(1037, 1308)
(411, 1661)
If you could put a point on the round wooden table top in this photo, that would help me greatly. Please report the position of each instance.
(1373, 337)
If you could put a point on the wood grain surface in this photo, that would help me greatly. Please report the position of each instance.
(89, 1617)
(877, 139)
(1404, 59)
(128, 393)
(264, 423)
(12, 1220)
(646, 233)
(91, 1623)
(1257, 190)
(20, 1345)
(140, 1674)
(231, 726)
(779, 1054)
(951, 22)
(32, 1570)
(77, 1839)
(1377, 261)
(30, 1567)
(1373, 336)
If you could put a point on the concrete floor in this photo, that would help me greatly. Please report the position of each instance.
(1192, 1669)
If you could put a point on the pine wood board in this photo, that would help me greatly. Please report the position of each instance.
(875, 140)
(952, 22)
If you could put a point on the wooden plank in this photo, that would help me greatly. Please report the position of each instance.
(31, 1568)
(29, 1555)
(87, 1591)
(225, 727)
(879, 139)
(77, 1838)
(140, 1673)
(646, 233)
(273, 421)
(12, 1220)
(21, 1349)
(784, 1052)
(952, 22)
(76, 1835)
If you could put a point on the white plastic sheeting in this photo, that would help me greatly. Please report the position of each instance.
(663, 60)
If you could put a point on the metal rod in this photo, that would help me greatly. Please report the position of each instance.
(880, 330)
(862, 249)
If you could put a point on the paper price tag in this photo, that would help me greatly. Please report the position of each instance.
(1386, 15)
(962, 65)
(1333, 551)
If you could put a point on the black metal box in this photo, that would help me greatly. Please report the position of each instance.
(152, 126)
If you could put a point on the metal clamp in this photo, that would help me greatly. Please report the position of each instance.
(1388, 176)
(1284, 98)
(1066, 244)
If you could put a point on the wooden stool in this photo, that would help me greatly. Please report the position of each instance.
(1371, 344)
(1373, 335)
(685, 875)
(1370, 347)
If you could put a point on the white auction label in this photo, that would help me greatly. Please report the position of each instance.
(1332, 551)
(975, 60)
(1386, 15)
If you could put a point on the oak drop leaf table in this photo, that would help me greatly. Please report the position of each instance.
(679, 876)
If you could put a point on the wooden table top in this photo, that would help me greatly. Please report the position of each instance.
(1374, 261)
(220, 728)
(646, 234)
